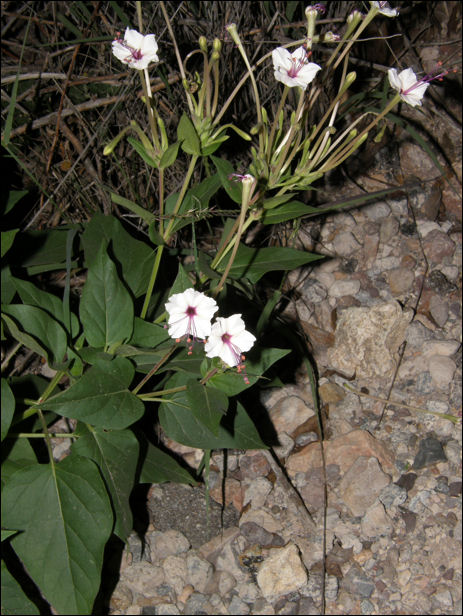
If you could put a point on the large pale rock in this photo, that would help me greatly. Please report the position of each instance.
(282, 572)
(367, 340)
(290, 413)
(342, 451)
(362, 484)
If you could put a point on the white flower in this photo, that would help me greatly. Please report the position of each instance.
(228, 340)
(136, 50)
(190, 314)
(410, 88)
(385, 9)
(293, 69)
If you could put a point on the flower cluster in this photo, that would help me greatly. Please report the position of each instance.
(190, 315)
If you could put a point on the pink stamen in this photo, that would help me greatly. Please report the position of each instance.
(432, 76)
(297, 66)
(135, 54)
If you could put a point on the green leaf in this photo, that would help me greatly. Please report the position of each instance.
(235, 432)
(43, 247)
(39, 325)
(187, 135)
(106, 308)
(272, 202)
(253, 263)
(134, 256)
(7, 240)
(7, 286)
(139, 148)
(13, 197)
(8, 404)
(116, 454)
(23, 338)
(159, 467)
(169, 156)
(288, 211)
(148, 335)
(225, 169)
(14, 601)
(33, 296)
(207, 404)
(232, 383)
(145, 215)
(182, 282)
(66, 517)
(101, 397)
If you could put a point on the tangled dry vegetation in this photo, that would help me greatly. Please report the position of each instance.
(73, 95)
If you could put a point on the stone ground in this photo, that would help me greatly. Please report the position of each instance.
(384, 319)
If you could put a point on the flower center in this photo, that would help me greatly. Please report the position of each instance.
(235, 351)
(135, 54)
(297, 65)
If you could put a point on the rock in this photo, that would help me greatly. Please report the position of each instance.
(367, 340)
(362, 484)
(430, 451)
(237, 606)
(439, 310)
(281, 572)
(176, 572)
(257, 491)
(290, 413)
(166, 609)
(437, 247)
(344, 244)
(144, 578)
(199, 572)
(167, 543)
(376, 522)
(393, 495)
(342, 451)
(344, 287)
(314, 292)
(357, 583)
(400, 280)
(257, 535)
(441, 370)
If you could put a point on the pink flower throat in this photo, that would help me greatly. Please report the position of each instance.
(297, 66)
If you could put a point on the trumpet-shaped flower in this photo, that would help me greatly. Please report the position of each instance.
(190, 314)
(135, 49)
(385, 9)
(410, 88)
(293, 69)
(228, 340)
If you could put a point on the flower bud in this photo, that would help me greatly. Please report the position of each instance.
(203, 43)
(217, 45)
(215, 55)
(354, 17)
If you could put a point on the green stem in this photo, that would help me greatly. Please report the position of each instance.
(154, 273)
(235, 36)
(153, 370)
(275, 122)
(340, 156)
(181, 196)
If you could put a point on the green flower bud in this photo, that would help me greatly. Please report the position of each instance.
(203, 43)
